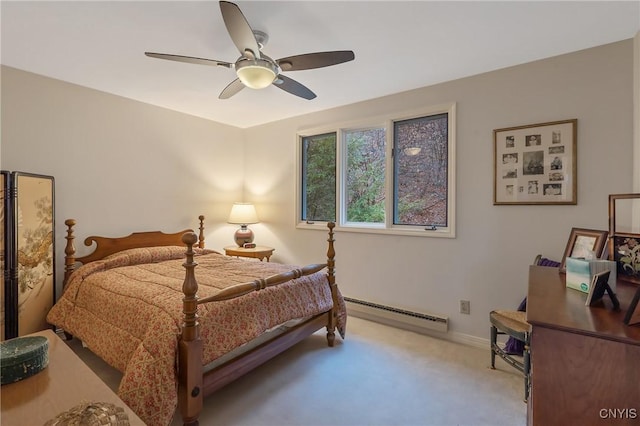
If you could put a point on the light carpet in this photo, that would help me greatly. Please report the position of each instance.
(378, 376)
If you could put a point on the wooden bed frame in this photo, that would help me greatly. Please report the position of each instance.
(193, 383)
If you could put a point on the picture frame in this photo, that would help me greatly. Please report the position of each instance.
(632, 316)
(624, 235)
(582, 241)
(536, 164)
(600, 285)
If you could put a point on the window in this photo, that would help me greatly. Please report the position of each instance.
(390, 175)
(365, 175)
(420, 171)
(319, 178)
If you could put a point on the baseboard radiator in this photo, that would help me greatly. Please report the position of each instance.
(414, 321)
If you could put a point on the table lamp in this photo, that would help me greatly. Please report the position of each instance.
(243, 214)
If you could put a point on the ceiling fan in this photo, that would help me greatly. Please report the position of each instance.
(255, 69)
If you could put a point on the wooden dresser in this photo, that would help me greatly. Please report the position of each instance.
(585, 361)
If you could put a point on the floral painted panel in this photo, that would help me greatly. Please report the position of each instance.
(35, 251)
(3, 189)
(627, 256)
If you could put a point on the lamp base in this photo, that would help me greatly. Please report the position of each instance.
(243, 235)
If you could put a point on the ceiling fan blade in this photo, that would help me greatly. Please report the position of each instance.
(290, 85)
(315, 60)
(188, 59)
(232, 88)
(239, 29)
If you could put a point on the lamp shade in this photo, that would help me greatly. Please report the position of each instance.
(243, 214)
(412, 151)
(256, 73)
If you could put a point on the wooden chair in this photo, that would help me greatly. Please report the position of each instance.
(513, 323)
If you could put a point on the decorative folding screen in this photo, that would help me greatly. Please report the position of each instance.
(28, 251)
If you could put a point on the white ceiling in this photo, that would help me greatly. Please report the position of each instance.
(398, 46)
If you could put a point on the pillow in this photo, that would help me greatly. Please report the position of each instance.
(140, 255)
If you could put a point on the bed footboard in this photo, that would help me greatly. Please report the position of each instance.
(331, 278)
(192, 383)
(190, 346)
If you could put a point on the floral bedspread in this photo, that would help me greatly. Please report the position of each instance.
(127, 309)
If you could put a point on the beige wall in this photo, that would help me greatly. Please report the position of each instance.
(121, 166)
(487, 263)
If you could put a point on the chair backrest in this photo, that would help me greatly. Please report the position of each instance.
(513, 345)
(538, 261)
(543, 261)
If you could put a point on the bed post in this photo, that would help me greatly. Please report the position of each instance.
(331, 254)
(190, 391)
(201, 235)
(69, 251)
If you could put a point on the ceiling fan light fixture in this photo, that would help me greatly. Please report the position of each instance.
(256, 73)
(253, 68)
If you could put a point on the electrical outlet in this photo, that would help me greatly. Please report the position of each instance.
(465, 307)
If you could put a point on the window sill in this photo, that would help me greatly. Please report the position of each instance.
(410, 232)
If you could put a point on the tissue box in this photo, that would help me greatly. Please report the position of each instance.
(580, 272)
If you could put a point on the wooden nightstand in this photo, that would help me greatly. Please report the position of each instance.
(258, 252)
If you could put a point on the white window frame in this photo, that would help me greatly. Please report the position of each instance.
(388, 227)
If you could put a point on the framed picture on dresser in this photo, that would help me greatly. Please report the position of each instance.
(633, 313)
(583, 242)
(624, 235)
